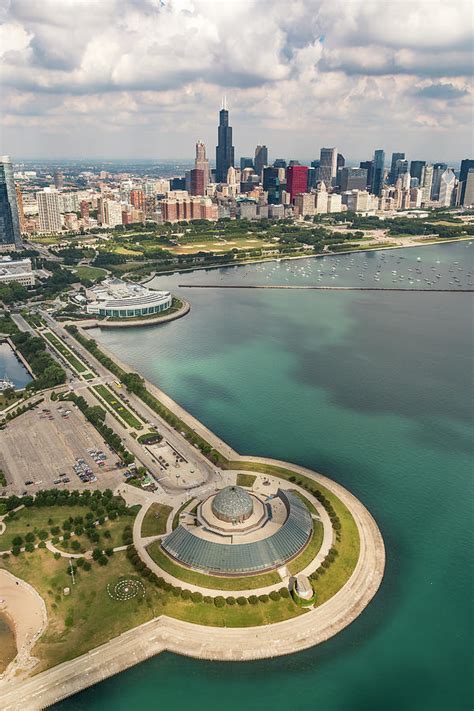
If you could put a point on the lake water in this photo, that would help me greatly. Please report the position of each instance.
(11, 368)
(373, 390)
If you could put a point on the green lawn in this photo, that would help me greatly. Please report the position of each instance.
(155, 520)
(249, 582)
(245, 479)
(73, 361)
(115, 528)
(36, 519)
(348, 548)
(116, 405)
(91, 273)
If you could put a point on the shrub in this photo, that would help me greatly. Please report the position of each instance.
(208, 599)
(43, 535)
(17, 541)
(196, 597)
(219, 601)
(87, 565)
(230, 600)
(241, 600)
(29, 547)
(30, 537)
(284, 592)
(109, 552)
(103, 560)
(55, 531)
(75, 545)
(253, 600)
(186, 595)
(274, 595)
(41, 544)
(263, 598)
(57, 555)
(80, 562)
(66, 536)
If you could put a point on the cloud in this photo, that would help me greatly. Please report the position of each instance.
(333, 67)
(441, 91)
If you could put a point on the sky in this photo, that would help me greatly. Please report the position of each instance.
(145, 78)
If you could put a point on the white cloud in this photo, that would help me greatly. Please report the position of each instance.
(356, 72)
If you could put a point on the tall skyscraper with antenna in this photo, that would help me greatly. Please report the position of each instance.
(224, 148)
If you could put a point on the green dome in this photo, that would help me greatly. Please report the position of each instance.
(232, 504)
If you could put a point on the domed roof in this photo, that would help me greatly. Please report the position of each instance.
(232, 504)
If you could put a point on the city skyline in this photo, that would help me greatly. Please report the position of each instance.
(331, 74)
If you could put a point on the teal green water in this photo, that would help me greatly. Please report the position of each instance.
(374, 390)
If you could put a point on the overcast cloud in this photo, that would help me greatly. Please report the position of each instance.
(144, 78)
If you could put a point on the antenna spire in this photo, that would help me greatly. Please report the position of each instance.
(224, 102)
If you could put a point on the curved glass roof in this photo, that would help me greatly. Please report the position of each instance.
(232, 503)
(252, 557)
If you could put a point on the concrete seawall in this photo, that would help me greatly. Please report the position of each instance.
(322, 288)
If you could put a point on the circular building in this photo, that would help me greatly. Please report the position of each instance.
(116, 298)
(235, 533)
(232, 505)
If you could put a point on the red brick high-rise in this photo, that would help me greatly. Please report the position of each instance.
(296, 180)
(197, 182)
(137, 198)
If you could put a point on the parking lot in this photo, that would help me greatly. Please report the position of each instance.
(175, 470)
(53, 444)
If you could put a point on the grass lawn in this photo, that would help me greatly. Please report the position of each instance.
(115, 528)
(249, 582)
(116, 405)
(245, 479)
(175, 523)
(155, 520)
(88, 617)
(91, 273)
(37, 519)
(348, 548)
(73, 361)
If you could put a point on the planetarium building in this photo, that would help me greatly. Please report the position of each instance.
(117, 298)
(235, 532)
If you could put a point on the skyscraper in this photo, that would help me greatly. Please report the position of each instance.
(296, 180)
(468, 185)
(378, 172)
(417, 170)
(261, 159)
(201, 162)
(393, 167)
(466, 165)
(353, 179)
(224, 148)
(197, 182)
(427, 183)
(438, 170)
(9, 220)
(327, 166)
(271, 184)
(446, 187)
(368, 165)
(245, 162)
(48, 209)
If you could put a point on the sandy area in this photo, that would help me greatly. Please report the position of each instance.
(26, 610)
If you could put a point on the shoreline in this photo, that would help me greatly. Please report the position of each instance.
(246, 262)
(25, 610)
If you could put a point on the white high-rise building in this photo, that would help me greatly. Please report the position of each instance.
(446, 187)
(48, 210)
(427, 182)
(112, 213)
